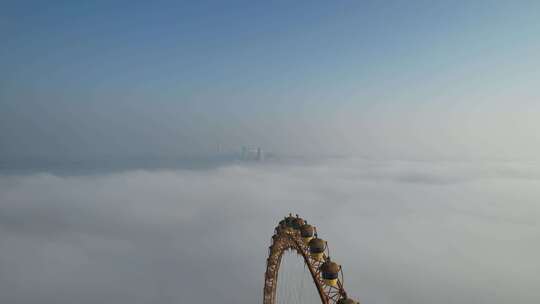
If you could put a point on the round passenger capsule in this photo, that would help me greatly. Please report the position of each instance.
(289, 220)
(297, 223)
(330, 272)
(316, 248)
(306, 232)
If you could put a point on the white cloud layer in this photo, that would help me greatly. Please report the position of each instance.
(405, 232)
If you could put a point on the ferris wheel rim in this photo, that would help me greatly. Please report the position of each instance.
(288, 238)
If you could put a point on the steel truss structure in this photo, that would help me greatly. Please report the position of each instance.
(285, 239)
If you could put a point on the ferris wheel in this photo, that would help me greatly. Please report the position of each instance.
(295, 234)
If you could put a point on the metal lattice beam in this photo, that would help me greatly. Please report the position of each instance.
(290, 239)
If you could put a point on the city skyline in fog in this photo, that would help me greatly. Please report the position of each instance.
(407, 80)
(149, 148)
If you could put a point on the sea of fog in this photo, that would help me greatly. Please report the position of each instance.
(404, 231)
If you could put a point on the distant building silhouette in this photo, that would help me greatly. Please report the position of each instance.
(252, 154)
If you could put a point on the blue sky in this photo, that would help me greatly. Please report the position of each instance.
(168, 77)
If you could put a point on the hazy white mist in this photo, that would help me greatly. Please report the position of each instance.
(405, 232)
